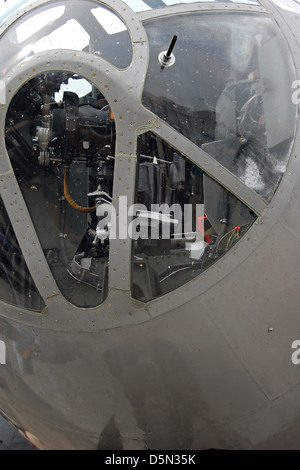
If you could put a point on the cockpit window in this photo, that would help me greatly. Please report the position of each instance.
(289, 5)
(80, 26)
(143, 5)
(17, 285)
(185, 221)
(9, 8)
(60, 137)
(229, 90)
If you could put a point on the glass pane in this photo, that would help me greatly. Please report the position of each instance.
(9, 8)
(289, 5)
(185, 221)
(60, 136)
(143, 5)
(229, 91)
(16, 284)
(77, 25)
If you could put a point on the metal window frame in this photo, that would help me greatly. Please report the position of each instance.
(123, 90)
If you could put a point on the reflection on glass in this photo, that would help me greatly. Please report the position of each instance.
(11, 7)
(108, 20)
(143, 5)
(229, 91)
(34, 24)
(289, 5)
(60, 136)
(16, 284)
(70, 35)
(185, 221)
(81, 26)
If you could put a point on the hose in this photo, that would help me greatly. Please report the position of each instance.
(68, 197)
